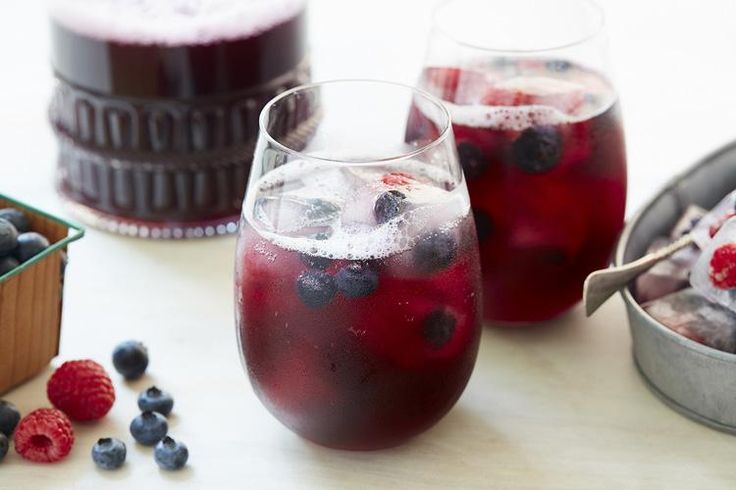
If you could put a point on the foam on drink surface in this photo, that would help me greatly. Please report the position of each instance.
(518, 95)
(172, 22)
(296, 203)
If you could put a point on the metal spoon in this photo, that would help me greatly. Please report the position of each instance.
(602, 284)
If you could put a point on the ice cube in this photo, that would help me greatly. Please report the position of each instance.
(667, 276)
(536, 90)
(291, 214)
(693, 316)
(714, 274)
(709, 224)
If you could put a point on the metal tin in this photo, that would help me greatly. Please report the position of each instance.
(695, 380)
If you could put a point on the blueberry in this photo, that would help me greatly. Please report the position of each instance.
(4, 445)
(472, 160)
(7, 264)
(17, 218)
(483, 225)
(356, 280)
(155, 400)
(148, 428)
(109, 454)
(389, 205)
(8, 237)
(9, 417)
(558, 65)
(537, 149)
(316, 288)
(30, 244)
(170, 454)
(435, 251)
(438, 328)
(130, 359)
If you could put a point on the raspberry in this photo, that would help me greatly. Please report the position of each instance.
(398, 179)
(723, 266)
(82, 390)
(44, 436)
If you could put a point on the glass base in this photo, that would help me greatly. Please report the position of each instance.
(149, 229)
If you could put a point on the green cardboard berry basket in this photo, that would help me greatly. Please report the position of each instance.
(31, 300)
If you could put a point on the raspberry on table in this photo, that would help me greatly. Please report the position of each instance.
(82, 390)
(44, 436)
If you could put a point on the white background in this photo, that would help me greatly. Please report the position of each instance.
(558, 407)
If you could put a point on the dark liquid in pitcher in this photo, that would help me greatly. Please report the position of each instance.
(156, 134)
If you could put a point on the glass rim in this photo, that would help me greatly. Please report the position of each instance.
(446, 130)
(597, 28)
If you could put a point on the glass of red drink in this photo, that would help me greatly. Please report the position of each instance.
(156, 106)
(357, 268)
(540, 140)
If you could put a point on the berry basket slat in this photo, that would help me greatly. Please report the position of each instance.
(31, 300)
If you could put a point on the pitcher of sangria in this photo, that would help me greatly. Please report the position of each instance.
(540, 140)
(156, 106)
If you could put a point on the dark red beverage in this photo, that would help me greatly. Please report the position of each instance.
(157, 102)
(357, 334)
(542, 148)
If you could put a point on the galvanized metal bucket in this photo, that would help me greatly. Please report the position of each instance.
(695, 380)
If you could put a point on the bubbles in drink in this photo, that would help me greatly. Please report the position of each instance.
(337, 212)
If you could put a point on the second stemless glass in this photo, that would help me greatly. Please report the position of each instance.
(540, 140)
(357, 268)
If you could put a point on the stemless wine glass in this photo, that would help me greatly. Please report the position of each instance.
(357, 269)
(541, 143)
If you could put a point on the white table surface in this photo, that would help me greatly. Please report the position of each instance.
(555, 407)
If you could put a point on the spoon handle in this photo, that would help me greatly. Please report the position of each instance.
(602, 284)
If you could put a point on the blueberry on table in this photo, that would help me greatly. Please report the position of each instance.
(435, 251)
(30, 244)
(130, 359)
(9, 417)
(156, 400)
(356, 280)
(17, 218)
(472, 160)
(4, 445)
(537, 149)
(7, 264)
(389, 205)
(438, 328)
(8, 237)
(148, 428)
(170, 454)
(315, 288)
(109, 453)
